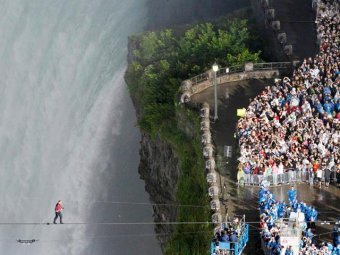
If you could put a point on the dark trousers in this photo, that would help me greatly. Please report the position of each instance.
(58, 214)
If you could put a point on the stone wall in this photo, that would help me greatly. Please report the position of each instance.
(210, 165)
(286, 25)
(266, 13)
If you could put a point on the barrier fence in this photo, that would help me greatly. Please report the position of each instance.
(289, 176)
(199, 78)
(256, 67)
(241, 68)
(230, 70)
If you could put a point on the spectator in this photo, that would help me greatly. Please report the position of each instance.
(224, 237)
(289, 251)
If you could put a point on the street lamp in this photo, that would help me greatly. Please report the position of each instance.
(215, 69)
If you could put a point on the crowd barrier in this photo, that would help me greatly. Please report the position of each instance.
(289, 176)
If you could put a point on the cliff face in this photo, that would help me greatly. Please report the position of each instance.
(159, 167)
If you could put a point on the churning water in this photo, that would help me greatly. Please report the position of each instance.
(67, 127)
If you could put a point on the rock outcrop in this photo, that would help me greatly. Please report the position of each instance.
(159, 168)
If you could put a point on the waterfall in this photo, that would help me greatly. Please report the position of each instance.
(67, 126)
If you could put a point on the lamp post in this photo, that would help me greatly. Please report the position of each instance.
(215, 69)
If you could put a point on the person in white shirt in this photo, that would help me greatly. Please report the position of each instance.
(319, 174)
(280, 172)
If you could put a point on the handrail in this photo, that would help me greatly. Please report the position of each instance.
(199, 78)
(230, 70)
(241, 68)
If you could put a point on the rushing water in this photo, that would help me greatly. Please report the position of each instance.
(67, 128)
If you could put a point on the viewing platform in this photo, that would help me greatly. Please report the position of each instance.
(226, 196)
(236, 227)
(224, 75)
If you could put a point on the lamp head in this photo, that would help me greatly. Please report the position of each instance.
(215, 67)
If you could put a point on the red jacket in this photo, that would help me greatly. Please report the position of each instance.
(58, 207)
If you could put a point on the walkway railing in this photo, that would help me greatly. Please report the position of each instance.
(199, 78)
(236, 73)
(230, 70)
(242, 68)
(273, 65)
(289, 176)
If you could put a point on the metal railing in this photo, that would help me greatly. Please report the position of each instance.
(289, 176)
(199, 78)
(241, 68)
(272, 65)
(229, 70)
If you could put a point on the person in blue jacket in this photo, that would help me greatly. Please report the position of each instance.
(318, 106)
(336, 250)
(281, 210)
(309, 234)
(246, 169)
(337, 106)
(308, 213)
(289, 251)
(291, 195)
(262, 191)
(314, 216)
(277, 249)
(233, 237)
(224, 237)
(327, 91)
(337, 240)
(329, 246)
(329, 107)
(271, 244)
(336, 235)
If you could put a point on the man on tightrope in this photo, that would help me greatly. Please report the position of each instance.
(58, 208)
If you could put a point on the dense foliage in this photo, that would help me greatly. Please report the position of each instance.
(160, 61)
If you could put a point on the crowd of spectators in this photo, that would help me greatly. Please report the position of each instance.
(295, 124)
(271, 213)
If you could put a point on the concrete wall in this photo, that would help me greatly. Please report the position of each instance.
(286, 25)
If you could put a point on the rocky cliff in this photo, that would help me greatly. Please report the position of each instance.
(159, 167)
